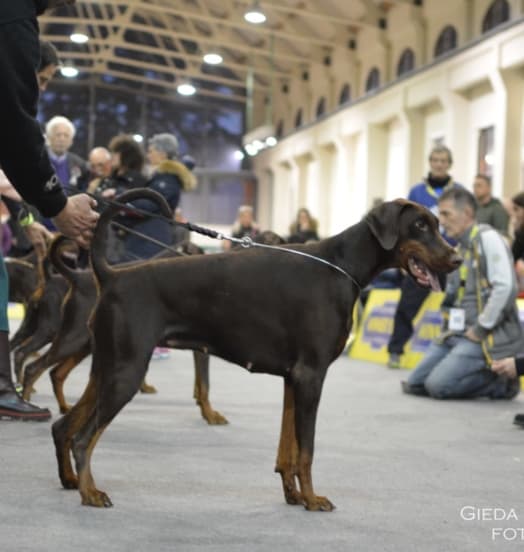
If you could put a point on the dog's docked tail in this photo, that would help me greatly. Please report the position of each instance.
(57, 252)
(101, 267)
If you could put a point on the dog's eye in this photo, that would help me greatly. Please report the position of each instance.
(421, 225)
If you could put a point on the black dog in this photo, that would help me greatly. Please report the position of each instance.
(225, 304)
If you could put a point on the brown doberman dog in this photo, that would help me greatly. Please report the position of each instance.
(225, 304)
(41, 319)
(71, 341)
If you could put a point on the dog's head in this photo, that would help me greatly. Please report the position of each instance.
(411, 233)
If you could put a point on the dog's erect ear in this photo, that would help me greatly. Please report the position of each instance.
(383, 221)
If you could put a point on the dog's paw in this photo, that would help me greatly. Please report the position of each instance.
(96, 498)
(70, 483)
(215, 418)
(293, 497)
(148, 389)
(319, 504)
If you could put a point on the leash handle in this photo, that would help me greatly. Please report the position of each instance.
(200, 230)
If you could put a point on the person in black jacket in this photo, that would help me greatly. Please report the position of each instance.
(24, 159)
(304, 229)
(517, 246)
(21, 246)
(127, 158)
(170, 176)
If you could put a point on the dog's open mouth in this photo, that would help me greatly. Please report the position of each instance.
(423, 274)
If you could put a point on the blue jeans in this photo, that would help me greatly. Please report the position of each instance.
(456, 369)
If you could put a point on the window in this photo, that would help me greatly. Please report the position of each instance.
(373, 80)
(298, 118)
(345, 94)
(497, 13)
(321, 107)
(406, 62)
(485, 150)
(446, 41)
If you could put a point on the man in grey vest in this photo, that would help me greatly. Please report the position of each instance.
(481, 321)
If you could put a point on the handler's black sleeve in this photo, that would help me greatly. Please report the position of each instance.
(23, 155)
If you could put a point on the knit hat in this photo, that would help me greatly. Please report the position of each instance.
(518, 199)
(165, 142)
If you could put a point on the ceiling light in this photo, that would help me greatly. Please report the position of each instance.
(69, 70)
(138, 138)
(186, 89)
(251, 150)
(254, 14)
(79, 37)
(213, 59)
(238, 155)
(271, 141)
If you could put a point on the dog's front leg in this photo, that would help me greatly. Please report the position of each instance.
(286, 464)
(308, 388)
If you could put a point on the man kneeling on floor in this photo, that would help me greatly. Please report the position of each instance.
(480, 315)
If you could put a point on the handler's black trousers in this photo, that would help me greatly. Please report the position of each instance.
(411, 298)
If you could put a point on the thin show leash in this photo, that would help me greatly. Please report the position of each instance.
(246, 242)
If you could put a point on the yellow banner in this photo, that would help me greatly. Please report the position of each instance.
(376, 327)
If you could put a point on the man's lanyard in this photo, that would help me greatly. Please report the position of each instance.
(464, 267)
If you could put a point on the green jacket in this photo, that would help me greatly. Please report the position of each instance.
(494, 214)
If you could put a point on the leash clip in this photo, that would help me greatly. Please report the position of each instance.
(246, 242)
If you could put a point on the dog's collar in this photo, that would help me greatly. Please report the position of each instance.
(247, 242)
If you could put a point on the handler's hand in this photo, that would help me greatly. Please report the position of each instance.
(472, 336)
(505, 367)
(39, 236)
(77, 220)
(109, 193)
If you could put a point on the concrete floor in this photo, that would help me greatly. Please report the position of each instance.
(398, 468)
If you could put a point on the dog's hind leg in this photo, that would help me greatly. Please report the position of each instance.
(112, 395)
(201, 390)
(59, 374)
(33, 371)
(286, 464)
(83, 446)
(19, 356)
(307, 383)
(28, 347)
(64, 430)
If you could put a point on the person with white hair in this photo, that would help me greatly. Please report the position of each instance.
(71, 169)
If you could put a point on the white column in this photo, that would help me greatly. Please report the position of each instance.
(509, 90)
(457, 115)
(284, 192)
(265, 199)
(320, 201)
(415, 151)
